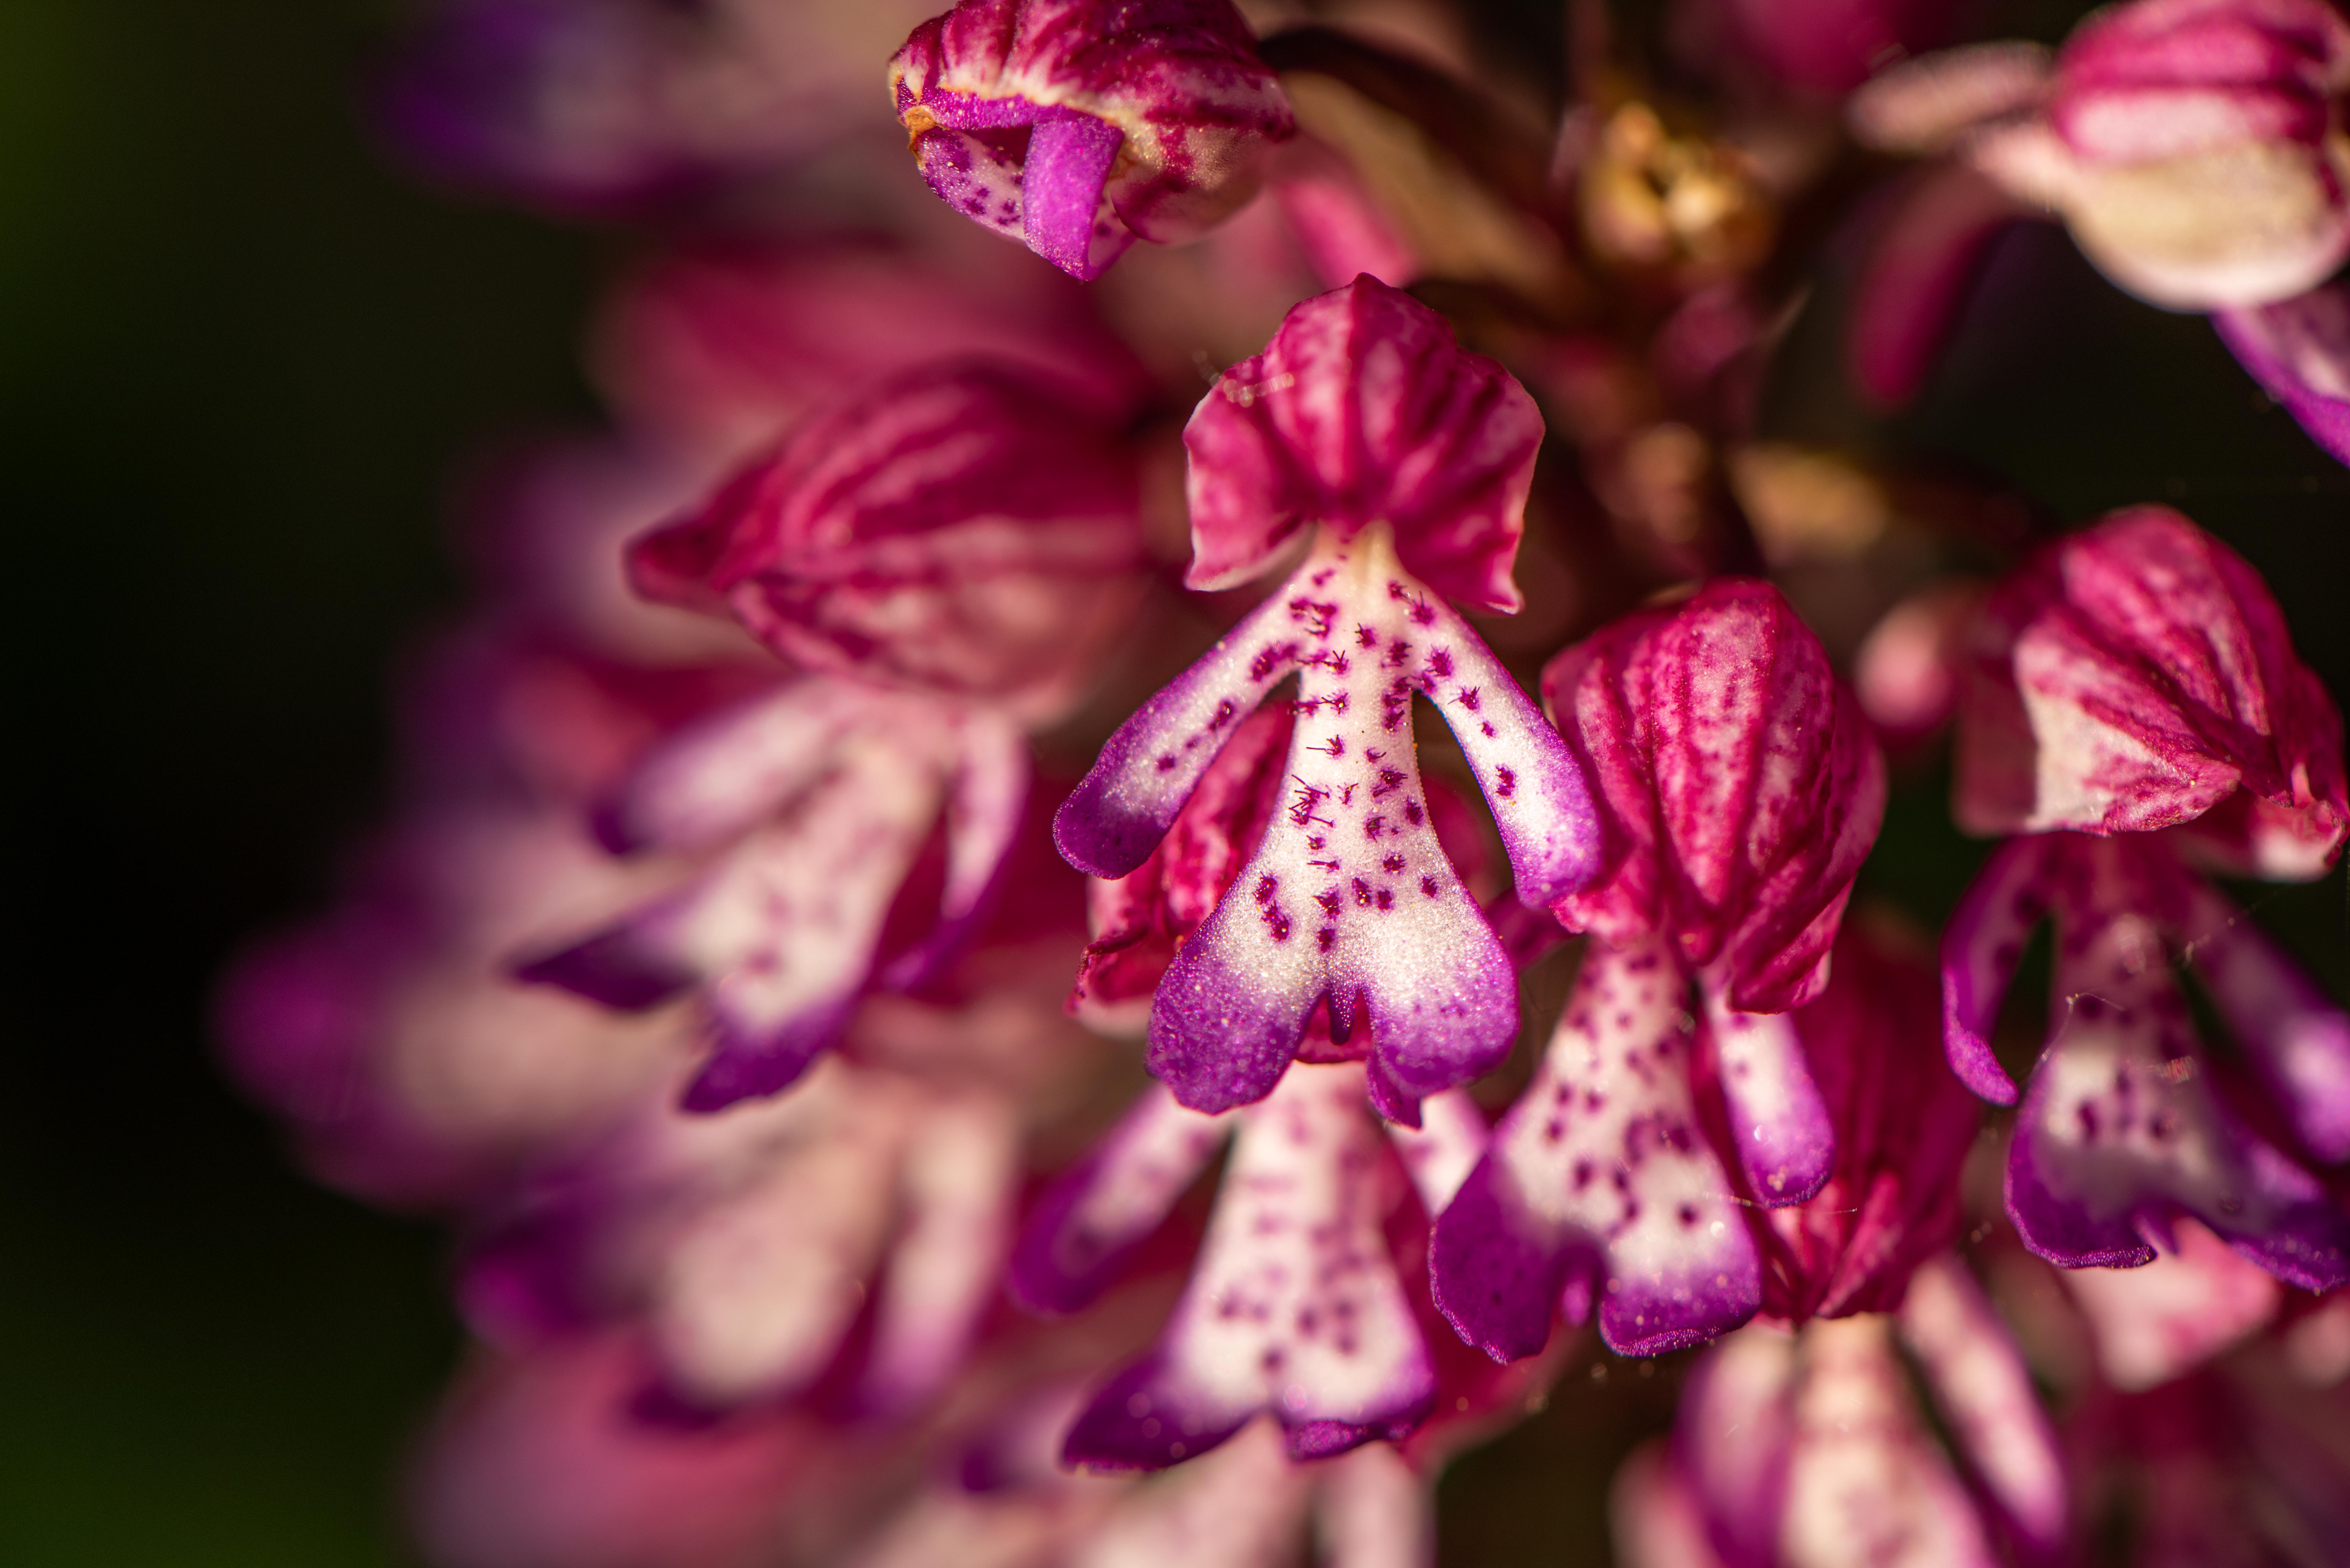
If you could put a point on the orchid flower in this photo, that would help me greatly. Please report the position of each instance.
(748, 1242)
(2155, 1323)
(1807, 1451)
(1081, 126)
(2137, 702)
(1741, 790)
(944, 553)
(1401, 464)
(1294, 1305)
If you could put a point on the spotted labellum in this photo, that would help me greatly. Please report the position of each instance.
(1081, 126)
(1295, 1306)
(946, 553)
(1404, 464)
(2136, 708)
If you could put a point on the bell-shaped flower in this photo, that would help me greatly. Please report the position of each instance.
(1809, 1450)
(1081, 126)
(947, 555)
(1295, 1306)
(2137, 677)
(1740, 788)
(1401, 465)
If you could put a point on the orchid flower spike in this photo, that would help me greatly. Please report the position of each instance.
(1405, 463)
(2136, 705)
(1295, 1306)
(1081, 126)
(948, 553)
(1809, 1450)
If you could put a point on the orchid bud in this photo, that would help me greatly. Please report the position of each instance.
(1081, 126)
(2195, 148)
(966, 532)
(2137, 676)
(1409, 460)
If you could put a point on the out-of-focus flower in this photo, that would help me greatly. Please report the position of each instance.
(2195, 148)
(2299, 351)
(605, 105)
(1739, 790)
(715, 346)
(1295, 1306)
(1832, 46)
(1686, 207)
(2156, 1323)
(1409, 460)
(2137, 677)
(946, 553)
(1807, 1451)
(1080, 126)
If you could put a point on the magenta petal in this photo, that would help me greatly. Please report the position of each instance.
(1984, 1392)
(2299, 351)
(1786, 1144)
(1915, 281)
(1094, 1215)
(1981, 948)
(1125, 802)
(2297, 1040)
(745, 1066)
(1061, 188)
(985, 802)
(1531, 780)
(1220, 1032)
(1362, 412)
(1143, 1420)
(1600, 1163)
(616, 969)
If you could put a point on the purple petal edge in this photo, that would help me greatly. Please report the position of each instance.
(744, 1067)
(1138, 1423)
(1495, 1268)
(613, 968)
(1981, 948)
(1069, 159)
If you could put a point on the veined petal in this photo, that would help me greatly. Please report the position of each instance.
(1739, 786)
(1363, 411)
(1599, 1176)
(1293, 1305)
(1095, 1214)
(1786, 1141)
(1984, 1393)
(1981, 948)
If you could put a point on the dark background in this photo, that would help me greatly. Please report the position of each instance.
(239, 356)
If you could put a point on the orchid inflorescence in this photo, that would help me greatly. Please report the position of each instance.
(1082, 907)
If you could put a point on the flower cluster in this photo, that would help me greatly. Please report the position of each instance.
(1083, 907)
